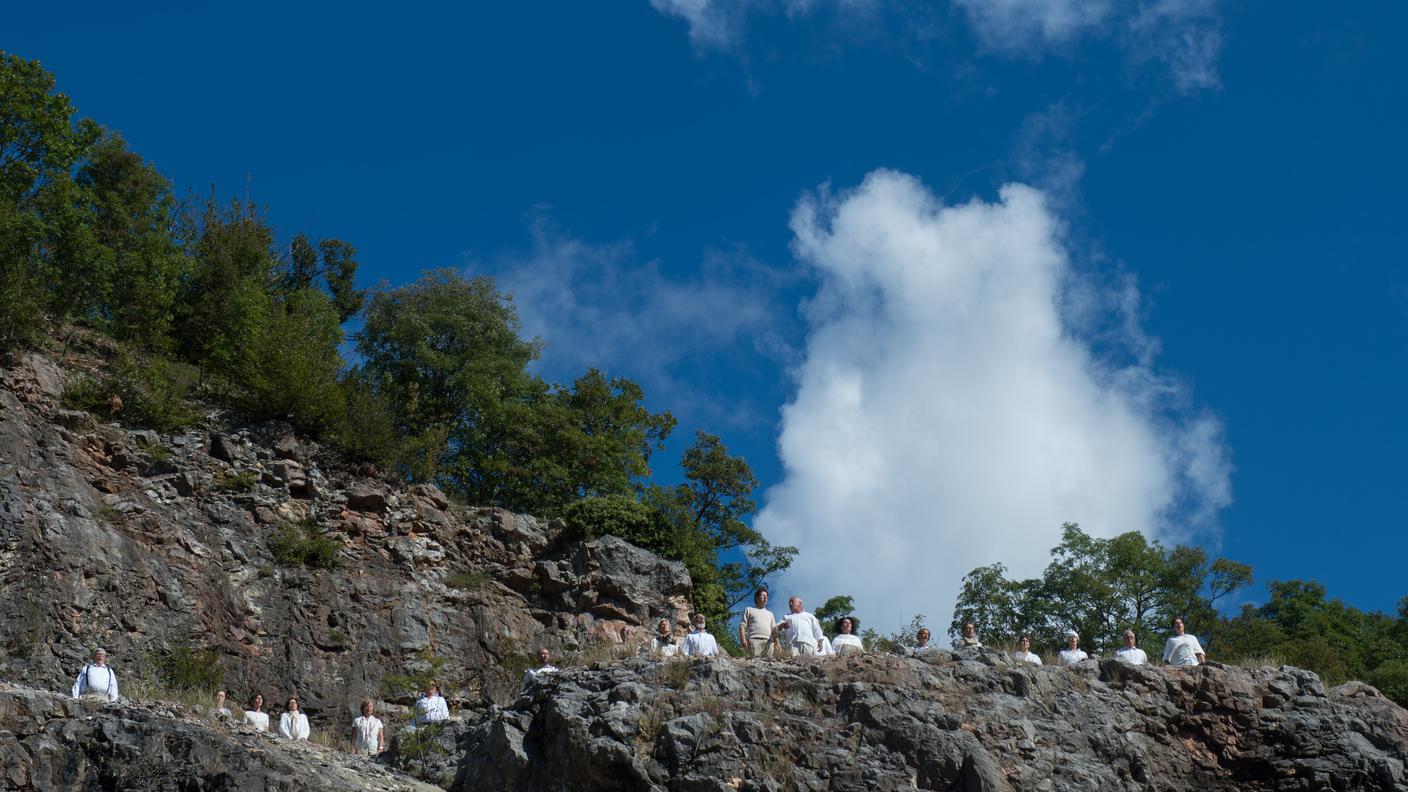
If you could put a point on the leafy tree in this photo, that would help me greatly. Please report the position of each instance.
(1100, 587)
(330, 263)
(294, 371)
(833, 609)
(224, 300)
(39, 146)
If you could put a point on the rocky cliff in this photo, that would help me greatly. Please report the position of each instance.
(143, 542)
(970, 720)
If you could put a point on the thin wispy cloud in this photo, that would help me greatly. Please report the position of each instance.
(602, 306)
(950, 410)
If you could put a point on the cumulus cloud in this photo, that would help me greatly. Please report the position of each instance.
(599, 305)
(950, 412)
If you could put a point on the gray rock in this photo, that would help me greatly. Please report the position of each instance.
(222, 447)
(367, 499)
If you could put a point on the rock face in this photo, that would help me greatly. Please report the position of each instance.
(50, 742)
(947, 721)
(143, 542)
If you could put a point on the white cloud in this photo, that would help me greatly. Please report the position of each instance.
(718, 24)
(598, 305)
(948, 413)
(1183, 35)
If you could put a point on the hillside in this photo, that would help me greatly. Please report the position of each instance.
(244, 553)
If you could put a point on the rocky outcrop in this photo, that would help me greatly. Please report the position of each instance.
(143, 542)
(947, 721)
(50, 742)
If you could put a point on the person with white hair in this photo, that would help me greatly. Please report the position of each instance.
(801, 632)
(1024, 653)
(1182, 649)
(700, 643)
(846, 641)
(1072, 654)
(1129, 653)
(96, 679)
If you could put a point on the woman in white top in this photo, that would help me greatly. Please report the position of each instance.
(293, 724)
(846, 640)
(368, 732)
(220, 710)
(1072, 654)
(256, 716)
(431, 707)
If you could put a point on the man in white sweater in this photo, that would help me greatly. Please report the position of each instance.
(96, 679)
(756, 630)
(801, 632)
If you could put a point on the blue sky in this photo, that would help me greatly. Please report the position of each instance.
(1217, 227)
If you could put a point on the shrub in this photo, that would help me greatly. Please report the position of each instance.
(184, 668)
(151, 393)
(236, 482)
(466, 581)
(419, 673)
(303, 544)
(621, 516)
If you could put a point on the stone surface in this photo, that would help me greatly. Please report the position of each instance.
(50, 743)
(970, 722)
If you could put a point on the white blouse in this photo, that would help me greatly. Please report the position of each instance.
(259, 720)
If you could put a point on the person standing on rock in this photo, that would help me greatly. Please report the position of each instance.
(1072, 654)
(1182, 649)
(846, 641)
(969, 638)
(221, 711)
(700, 643)
(431, 707)
(921, 641)
(293, 724)
(802, 634)
(256, 716)
(1129, 653)
(757, 633)
(1024, 653)
(368, 732)
(663, 642)
(544, 670)
(96, 680)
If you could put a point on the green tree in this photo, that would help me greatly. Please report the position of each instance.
(833, 609)
(331, 264)
(294, 370)
(39, 146)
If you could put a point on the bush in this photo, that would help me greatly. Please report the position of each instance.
(184, 668)
(621, 516)
(151, 393)
(466, 581)
(236, 482)
(1391, 678)
(418, 674)
(303, 544)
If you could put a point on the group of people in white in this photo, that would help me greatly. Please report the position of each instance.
(799, 634)
(98, 681)
(760, 634)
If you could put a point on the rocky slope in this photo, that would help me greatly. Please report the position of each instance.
(50, 742)
(144, 542)
(969, 721)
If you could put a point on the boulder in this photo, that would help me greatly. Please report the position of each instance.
(367, 499)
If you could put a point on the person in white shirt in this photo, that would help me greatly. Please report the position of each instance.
(1024, 652)
(969, 639)
(921, 641)
(663, 642)
(1072, 654)
(757, 632)
(846, 641)
(801, 632)
(220, 710)
(544, 670)
(1182, 649)
(256, 716)
(431, 707)
(293, 724)
(700, 643)
(96, 679)
(368, 732)
(1129, 653)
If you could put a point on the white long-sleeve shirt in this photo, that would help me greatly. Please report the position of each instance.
(1027, 657)
(1132, 655)
(700, 644)
(1070, 657)
(532, 676)
(368, 731)
(802, 628)
(96, 679)
(847, 642)
(259, 720)
(430, 709)
(1182, 650)
(294, 725)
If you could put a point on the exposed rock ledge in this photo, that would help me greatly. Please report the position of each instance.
(51, 742)
(949, 721)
